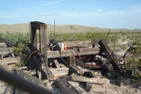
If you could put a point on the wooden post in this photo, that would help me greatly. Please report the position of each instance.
(72, 60)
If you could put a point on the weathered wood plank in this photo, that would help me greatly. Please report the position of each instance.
(67, 53)
(72, 68)
(97, 80)
(9, 63)
(57, 63)
(76, 70)
(8, 42)
(65, 87)
(57, 72)
(5, 50)
(10, 60)
(110, 55)
(3, 44)
(71, 44)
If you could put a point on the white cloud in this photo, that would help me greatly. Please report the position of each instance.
(50, 3)
(129, 18)
(99, 9)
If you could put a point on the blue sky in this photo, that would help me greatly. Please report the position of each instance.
(99, 13)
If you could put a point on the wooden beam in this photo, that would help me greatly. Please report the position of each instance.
(76, 70)
(97, 80)
(10, 60)
(36, 24)
(68, 53)
(8, 42)
(65, 87)
(110, 55)
(72, 68)
(57, 72)
(57, 63)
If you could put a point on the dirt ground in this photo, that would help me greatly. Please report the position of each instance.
(107, 89)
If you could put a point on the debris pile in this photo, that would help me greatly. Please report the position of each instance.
(73, 70)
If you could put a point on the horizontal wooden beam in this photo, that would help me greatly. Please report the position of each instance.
(58, 72)
(68, 53)
(10, 60)
(5, 50)
(95, 80)
(37, 24)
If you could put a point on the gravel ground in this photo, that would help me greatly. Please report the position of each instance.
(5, 88)
(107, 89)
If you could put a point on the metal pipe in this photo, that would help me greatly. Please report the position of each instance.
(21, 83)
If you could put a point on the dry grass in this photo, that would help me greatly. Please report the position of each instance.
(59, 28)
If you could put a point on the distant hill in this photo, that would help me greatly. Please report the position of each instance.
(58, 28)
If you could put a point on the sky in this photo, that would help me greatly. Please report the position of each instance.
(99, 13)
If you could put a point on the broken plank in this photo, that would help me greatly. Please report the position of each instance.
(76, 70)
(57, 72)
(8, 42)
(5, 51)
(88, 66)
(57, 63)
(97, 80)
(110, 55)
(9, 63)
(10, 60)
(72, 68)
(3, 44)
(65, 87)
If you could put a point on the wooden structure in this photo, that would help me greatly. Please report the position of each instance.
(73, 52)
(71, 58)
(42, 27)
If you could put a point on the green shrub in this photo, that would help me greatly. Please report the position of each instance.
(16, 37)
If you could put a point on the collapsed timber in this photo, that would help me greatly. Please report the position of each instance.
(42, 63)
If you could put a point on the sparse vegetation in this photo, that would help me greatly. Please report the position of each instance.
(16, 37)
(112, 38)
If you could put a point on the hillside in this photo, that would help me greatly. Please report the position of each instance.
(59, 28)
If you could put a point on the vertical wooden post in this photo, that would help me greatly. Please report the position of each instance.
(43, 39)
(72, 60)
